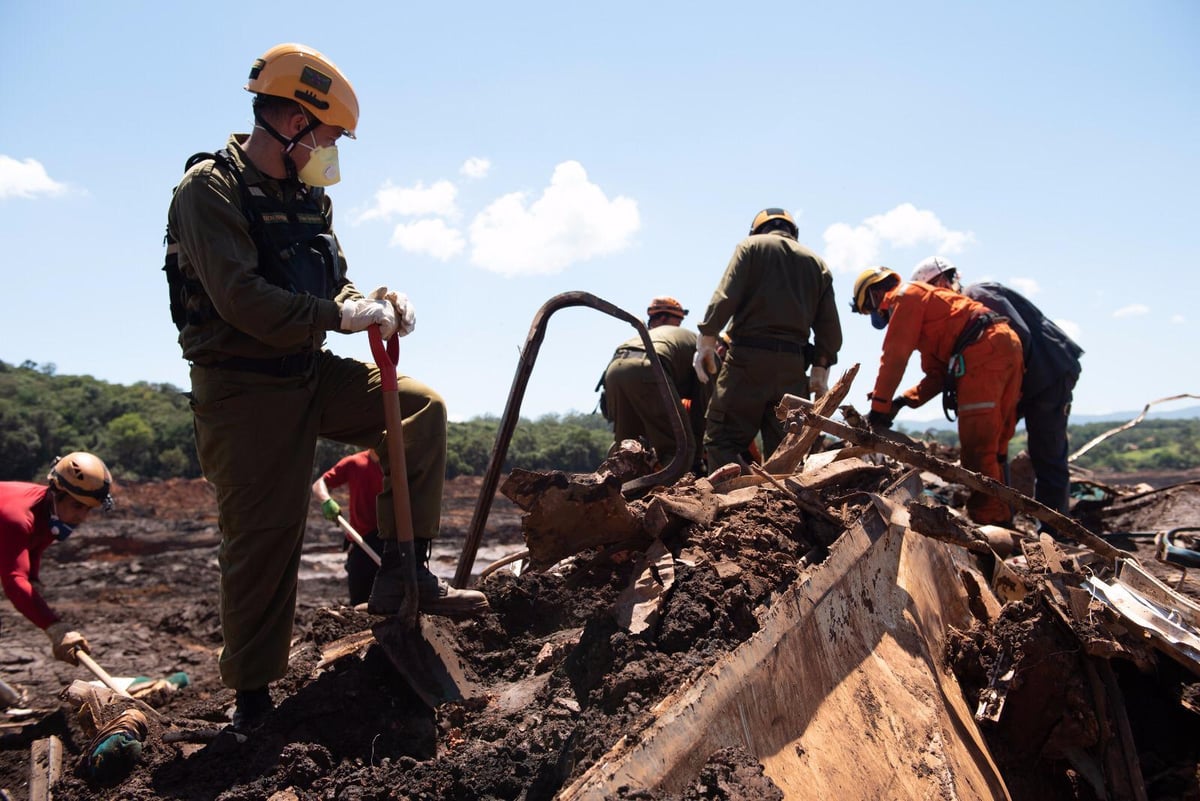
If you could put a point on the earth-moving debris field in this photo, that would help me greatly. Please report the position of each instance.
(779, 636)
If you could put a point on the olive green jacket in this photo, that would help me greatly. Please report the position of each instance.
(256, 318)
(775, 288)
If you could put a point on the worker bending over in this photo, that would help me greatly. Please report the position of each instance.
(969, 355)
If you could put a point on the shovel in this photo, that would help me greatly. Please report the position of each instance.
(112, 684)
(421, 653)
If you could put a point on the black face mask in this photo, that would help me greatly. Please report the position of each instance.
(59, 528)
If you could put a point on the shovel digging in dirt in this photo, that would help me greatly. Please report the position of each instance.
(420, 652)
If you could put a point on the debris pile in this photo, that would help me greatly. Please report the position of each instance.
(824, 626)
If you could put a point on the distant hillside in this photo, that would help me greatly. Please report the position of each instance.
(1190, 413)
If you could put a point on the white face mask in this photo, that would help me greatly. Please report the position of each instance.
(322, 166)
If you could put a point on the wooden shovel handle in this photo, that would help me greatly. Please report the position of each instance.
(386, 357)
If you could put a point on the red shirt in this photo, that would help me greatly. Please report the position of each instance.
(365, 480)
(24, 534)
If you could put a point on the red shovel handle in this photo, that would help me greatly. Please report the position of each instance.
(387, 356)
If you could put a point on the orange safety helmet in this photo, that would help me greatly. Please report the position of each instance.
(665, 304)
(766, 215)
(84, 477)
(302, 74)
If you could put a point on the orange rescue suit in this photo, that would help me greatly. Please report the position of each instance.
(930, 319)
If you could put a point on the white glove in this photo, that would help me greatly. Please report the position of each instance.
(705, 360)
(818, 381)
(64, 641)
(358, 314)
(406, 315)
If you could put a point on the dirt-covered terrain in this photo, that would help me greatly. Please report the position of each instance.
(564, 678)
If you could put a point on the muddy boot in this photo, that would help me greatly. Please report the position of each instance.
(252, 708)
(387, 592)
(437, 597)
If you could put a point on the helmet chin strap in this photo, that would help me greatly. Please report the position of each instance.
(288, 144)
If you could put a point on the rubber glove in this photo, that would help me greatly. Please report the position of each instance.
(64, 641)
(880, 420)
(331, 510)
(360, 313)
(705, 360)
(818, 381)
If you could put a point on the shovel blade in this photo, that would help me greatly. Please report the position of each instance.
(426, 658)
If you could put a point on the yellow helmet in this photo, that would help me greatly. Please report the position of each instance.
(766, 215)
(84, 477)
(867, 279)
(302, 74)
(665, 304)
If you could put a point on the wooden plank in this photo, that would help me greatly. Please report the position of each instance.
(45, 766)
(1064, 525)
(796, 444)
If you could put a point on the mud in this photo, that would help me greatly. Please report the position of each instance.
(564, 681)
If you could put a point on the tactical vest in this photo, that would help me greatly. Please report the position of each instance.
(294, 251)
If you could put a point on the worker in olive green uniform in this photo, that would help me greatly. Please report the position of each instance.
(257, 279)
(632, 399)
(774, 296)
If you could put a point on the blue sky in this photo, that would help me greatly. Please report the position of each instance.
(510, 152)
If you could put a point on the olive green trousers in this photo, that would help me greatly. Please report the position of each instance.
(256, 438)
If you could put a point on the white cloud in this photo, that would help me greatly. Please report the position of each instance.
(432, 237)
(475, 167)
(1132, 310)
(852, 248)
(27, 179)
(1178, 319)
(1026, 286)
(416, 201)
(572, 221)
(1073, 330)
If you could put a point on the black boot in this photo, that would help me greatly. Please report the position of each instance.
(437, 597)
(396, 564)
(252, 708)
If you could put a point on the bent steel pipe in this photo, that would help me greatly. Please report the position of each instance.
(511, 416)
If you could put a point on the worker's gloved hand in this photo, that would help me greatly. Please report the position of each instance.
(331, 510)
(880, 421)
(406, 315)
(64, 641)
(360, 313)
(818, 381)
(402, 317)
(705, 360)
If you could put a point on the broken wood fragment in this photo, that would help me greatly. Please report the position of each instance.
(839, 472)
(938, 523)
(45, 766)
(1064, 525)
(569, 513)
(338, 649)
(796, 445)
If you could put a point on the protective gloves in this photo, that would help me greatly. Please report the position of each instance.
(705, 360)
(360, 313)
(331, 510)
(818, 381)
(401, 309)
(64, 641)
(880, 420)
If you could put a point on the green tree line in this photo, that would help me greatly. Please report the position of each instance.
(144, 431)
